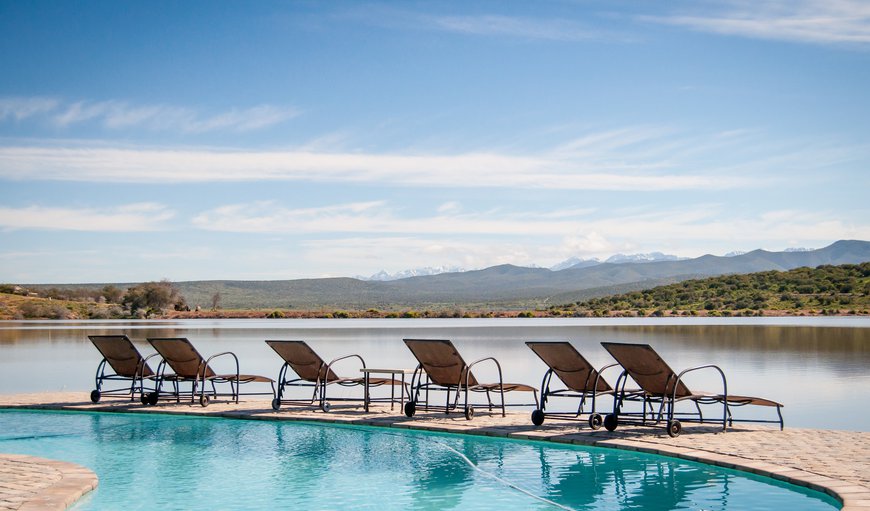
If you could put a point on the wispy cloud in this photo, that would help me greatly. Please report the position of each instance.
(379, 218)
(116, 115)
(529, 28)
(620, 160)
(581, 231)
(129, 218)
(511, 26)
(841, 22)
(19, 108)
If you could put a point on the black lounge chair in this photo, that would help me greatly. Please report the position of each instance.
(581, 381)
(121, 356)
(189, 366)
(316, 374)
(445, 370)
(662, 386)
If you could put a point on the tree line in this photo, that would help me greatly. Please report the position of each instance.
(139, 301)
(822, 290)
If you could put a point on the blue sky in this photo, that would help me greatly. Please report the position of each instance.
(272, 140)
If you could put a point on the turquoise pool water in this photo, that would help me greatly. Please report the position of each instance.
(174, 462)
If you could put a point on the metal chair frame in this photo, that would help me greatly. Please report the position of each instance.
(462, 387)
(318, 396)
(136, 381)
(133, 389)
(658, 408)
(591, 394)
(198, 382)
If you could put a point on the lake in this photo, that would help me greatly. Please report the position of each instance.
(818, 367)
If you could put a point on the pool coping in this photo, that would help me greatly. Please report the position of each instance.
(48, 485)
(852, 495)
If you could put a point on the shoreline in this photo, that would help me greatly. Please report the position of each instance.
(829, 461)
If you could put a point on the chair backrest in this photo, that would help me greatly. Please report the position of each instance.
(442, 363)
(303, 360)
(569, 365)
(121, 355)
(181, 356)
(646, 368)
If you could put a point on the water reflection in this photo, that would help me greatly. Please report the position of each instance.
(816, 366)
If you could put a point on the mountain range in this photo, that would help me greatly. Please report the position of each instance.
(572, 262)
(507, 286)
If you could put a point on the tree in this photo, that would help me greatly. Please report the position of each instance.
(153, 297)
(112, 294)
(215, 301)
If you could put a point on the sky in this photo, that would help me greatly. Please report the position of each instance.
(280, 140)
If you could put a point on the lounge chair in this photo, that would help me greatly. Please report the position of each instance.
(445, 370)
(121, 355)
(664, 387)
(189, 366)
(314, 373)
(581, 381)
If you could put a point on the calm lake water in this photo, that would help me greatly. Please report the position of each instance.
(818, 367)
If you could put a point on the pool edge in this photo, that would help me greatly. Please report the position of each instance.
(851, 495)
(68, 482)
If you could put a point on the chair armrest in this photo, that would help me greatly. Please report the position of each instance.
(140, 369)
(339, 359)
(208, 361)
(693, 369)
(417, 376)
(598, 376)
(486, 359)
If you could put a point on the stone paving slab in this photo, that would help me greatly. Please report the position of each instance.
(28, 483)
(834, 462)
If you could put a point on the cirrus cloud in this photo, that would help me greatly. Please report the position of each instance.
(136, 217)
(842, 22)
(117, 115)
(630, 159)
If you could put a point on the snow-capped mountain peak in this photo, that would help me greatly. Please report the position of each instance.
(651, 257)
(384, 276)
(575, 262)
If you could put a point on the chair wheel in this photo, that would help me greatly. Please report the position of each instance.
(203, 400)
(674, 428)
(595, 421)
(469, 413)
(538, 417)
(152, 398)
(410, 408)
(325, 406)
(143, 399)
(95, 396)
(610, 422)
(276, 404)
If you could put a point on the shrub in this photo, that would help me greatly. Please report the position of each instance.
(153, 297)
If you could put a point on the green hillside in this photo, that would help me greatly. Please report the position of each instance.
(823, 290)
(504, 287)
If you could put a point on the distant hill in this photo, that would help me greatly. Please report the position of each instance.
(504, 286)
(822, 290)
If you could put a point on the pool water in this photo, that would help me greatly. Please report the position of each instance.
(172, 462)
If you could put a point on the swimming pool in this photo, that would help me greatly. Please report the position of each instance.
(162, 462)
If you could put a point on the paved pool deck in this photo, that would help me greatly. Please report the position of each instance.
(834, 462)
